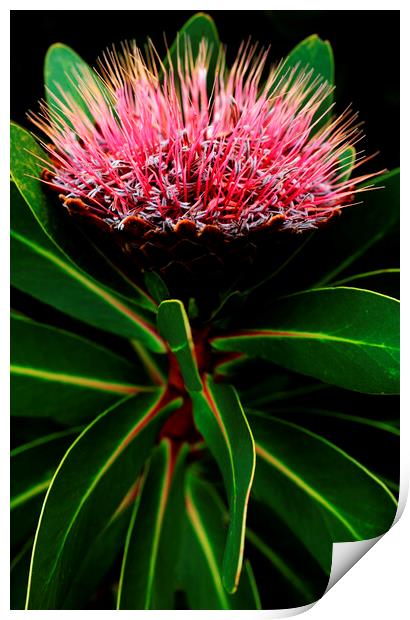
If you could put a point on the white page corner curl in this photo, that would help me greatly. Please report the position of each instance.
(346, 555)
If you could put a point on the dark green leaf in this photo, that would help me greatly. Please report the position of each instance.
(332, 249)
(387, 426)
(64, 73)
(229, 365)
(363, 434)
(278, 386)
(32, 467)
(199, 26)
(140, 559)
(220, 419)
(385, 281)
(27, 159)
(19, 571)
(173, 325)
(230, 304)
(343, 336)
(360, 226)
(54, 279)
(296, 464)
(317, 55)
(156, 286)
(156, 367)
(169, 549)
(59, 375)
(98, 471)
(202, 554)
(99, 556)
(346, 161)
(279, 558)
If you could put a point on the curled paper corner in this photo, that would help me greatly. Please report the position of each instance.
(403, 495)
(347, 554)
(284, 613)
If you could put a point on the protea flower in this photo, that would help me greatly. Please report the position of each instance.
(194, 183)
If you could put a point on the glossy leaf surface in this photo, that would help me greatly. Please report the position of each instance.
(199, 26)
(173, 325)
(220, 419)
(363, 433)
(32, 467)
(59, 375)
(54, 279)
(19, 570)
(202, 554)
(64, 73)
(139, 566)
(343, 336)
(314, 54)
(99, 470)
(384, 281)
(286, 572)
(293, 461)
(103, 552)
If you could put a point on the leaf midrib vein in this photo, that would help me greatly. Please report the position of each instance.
(91, 286)
(122, 445)
(268, 333)
(291, 475)
(80, 381)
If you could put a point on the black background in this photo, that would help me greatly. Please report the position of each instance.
(365, 44)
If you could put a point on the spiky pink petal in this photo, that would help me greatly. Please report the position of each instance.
(163, 150)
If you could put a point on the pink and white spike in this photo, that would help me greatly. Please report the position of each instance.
(159, 147)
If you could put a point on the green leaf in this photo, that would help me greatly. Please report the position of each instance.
(219, 417)
(27, 159)
(59, 375)
(294, 462)
(360, 226)
(279, 564)
(385, 281)
(277, 553)
(347, 161)
(323, 415)
(230, 304)
(55, 280)
(229, 365)
(156, 286)
(166, 575)
(19, 570)
(155, 367)
(173, 325)
(199, 26)
(140, 559)
(344, 336)
(98, 558)
(32, 466)
(330, 250)
(363, 434)
(64, 71)
(314, 54)
(276, 387)
(98, 471)
(202, 554)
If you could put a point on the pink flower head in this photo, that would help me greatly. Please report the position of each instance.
(158, 146)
